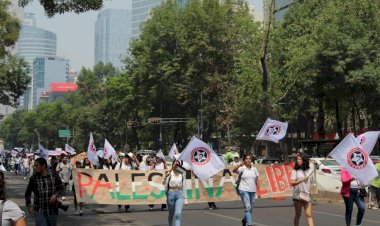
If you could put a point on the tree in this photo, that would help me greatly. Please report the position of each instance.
(53, 7)
(13, 71)
(328, 61)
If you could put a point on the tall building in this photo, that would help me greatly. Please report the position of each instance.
(112, 36)
(48, 70)
(140, 13)
(34, 42)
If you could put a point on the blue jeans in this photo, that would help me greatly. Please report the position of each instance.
(43, 220)
(248, 199)
(175, 204)
(349, 202)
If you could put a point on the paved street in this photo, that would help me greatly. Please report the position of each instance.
(267, 212)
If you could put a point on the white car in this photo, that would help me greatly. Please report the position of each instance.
(328, 174)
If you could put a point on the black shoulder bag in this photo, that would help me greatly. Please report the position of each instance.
(238, 183)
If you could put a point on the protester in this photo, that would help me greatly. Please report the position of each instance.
(87, 164)
(18, 162)
(236, 160)
(249, 184)
(25, 166)
(79, 211)
(176, 193)
(125, 164)
(106, 164)
(47, 188)
(12, 215)
(374, 191)
(300, 179)
(350, 193)
(64, 171)
(31, 166)
(160, 165)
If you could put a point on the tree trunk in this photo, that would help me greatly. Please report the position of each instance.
(338, 122)
(321, 119)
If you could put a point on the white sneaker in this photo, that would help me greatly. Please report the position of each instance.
(80, 212)
(77, 212)
(63, 198)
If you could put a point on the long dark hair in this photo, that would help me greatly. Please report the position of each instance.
(2, 186)
(305, 163)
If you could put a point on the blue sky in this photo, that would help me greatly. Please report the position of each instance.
(75, 33)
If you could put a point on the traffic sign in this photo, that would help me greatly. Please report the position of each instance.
(63, 133)
(154, 120)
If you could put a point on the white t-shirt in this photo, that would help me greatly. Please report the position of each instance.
(159, 166)
(248, 178)
(11, 213)
(304, 186)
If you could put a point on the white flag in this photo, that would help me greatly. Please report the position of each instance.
(204, 162)
(70, 150)
(109, 151)
(160, 155)
(368, 140)
(43, 153)
(350, 155)
(91, 151)
(273, 130)
(173, 151)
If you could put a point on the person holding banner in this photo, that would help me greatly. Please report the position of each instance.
(175, 186)
(249, 184)
(79, 212)
(374, 191)
(350, 192)
(300, 179)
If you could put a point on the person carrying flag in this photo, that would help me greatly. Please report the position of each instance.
(350, 192)
(248, 186)
(175, 186)
(300, 179)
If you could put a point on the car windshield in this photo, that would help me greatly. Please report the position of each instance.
(330, 163)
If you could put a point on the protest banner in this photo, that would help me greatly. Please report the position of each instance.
(126, 187)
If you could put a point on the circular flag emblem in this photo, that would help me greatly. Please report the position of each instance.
(357, 158)
(200, 156)
(273, 130)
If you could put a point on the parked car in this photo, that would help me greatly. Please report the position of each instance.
(327, 174)
(375, 159)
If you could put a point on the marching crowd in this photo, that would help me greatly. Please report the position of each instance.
(49, 180)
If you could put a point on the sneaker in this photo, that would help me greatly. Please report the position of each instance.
(243, 222)
(77, 212)
(80, 212)
(24, 178)
(150, 208)
(63, 198)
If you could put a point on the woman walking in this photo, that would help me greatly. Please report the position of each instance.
(12, 215)
(300, 179)
(249, 184)
(175, 184)
(350, 192)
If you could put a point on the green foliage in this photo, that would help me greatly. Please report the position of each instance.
(13, 71)
(53, 7)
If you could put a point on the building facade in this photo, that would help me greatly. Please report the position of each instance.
(112, 36)
(140, 13)
(46, 71)
(34, 42)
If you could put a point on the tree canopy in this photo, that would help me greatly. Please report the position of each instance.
(13, 70)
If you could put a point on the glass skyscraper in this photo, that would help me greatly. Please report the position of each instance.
(48, 70)
(112, 36)
(34, 42)
(140, 13)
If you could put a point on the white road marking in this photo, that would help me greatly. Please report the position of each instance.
(354, 218)
(233, 218)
